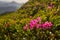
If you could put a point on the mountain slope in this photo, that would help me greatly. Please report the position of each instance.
(12, 23)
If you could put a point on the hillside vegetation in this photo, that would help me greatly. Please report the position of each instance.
(13, 25)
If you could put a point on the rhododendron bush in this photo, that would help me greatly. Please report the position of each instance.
(35, 20)
(36, 26)
(36, 23)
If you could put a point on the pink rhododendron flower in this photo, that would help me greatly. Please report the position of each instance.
(47, 25)
(32, 24)
(38, 19)
(38, 25)
(31, 27)
(25, 27)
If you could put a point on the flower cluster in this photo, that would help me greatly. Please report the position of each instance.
(25, 27)
(34, 23)
(37, 23)
(47, 25)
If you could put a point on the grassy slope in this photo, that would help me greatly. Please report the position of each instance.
(29, 9)
(32, 8)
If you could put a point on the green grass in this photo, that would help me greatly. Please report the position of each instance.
(11, 24)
